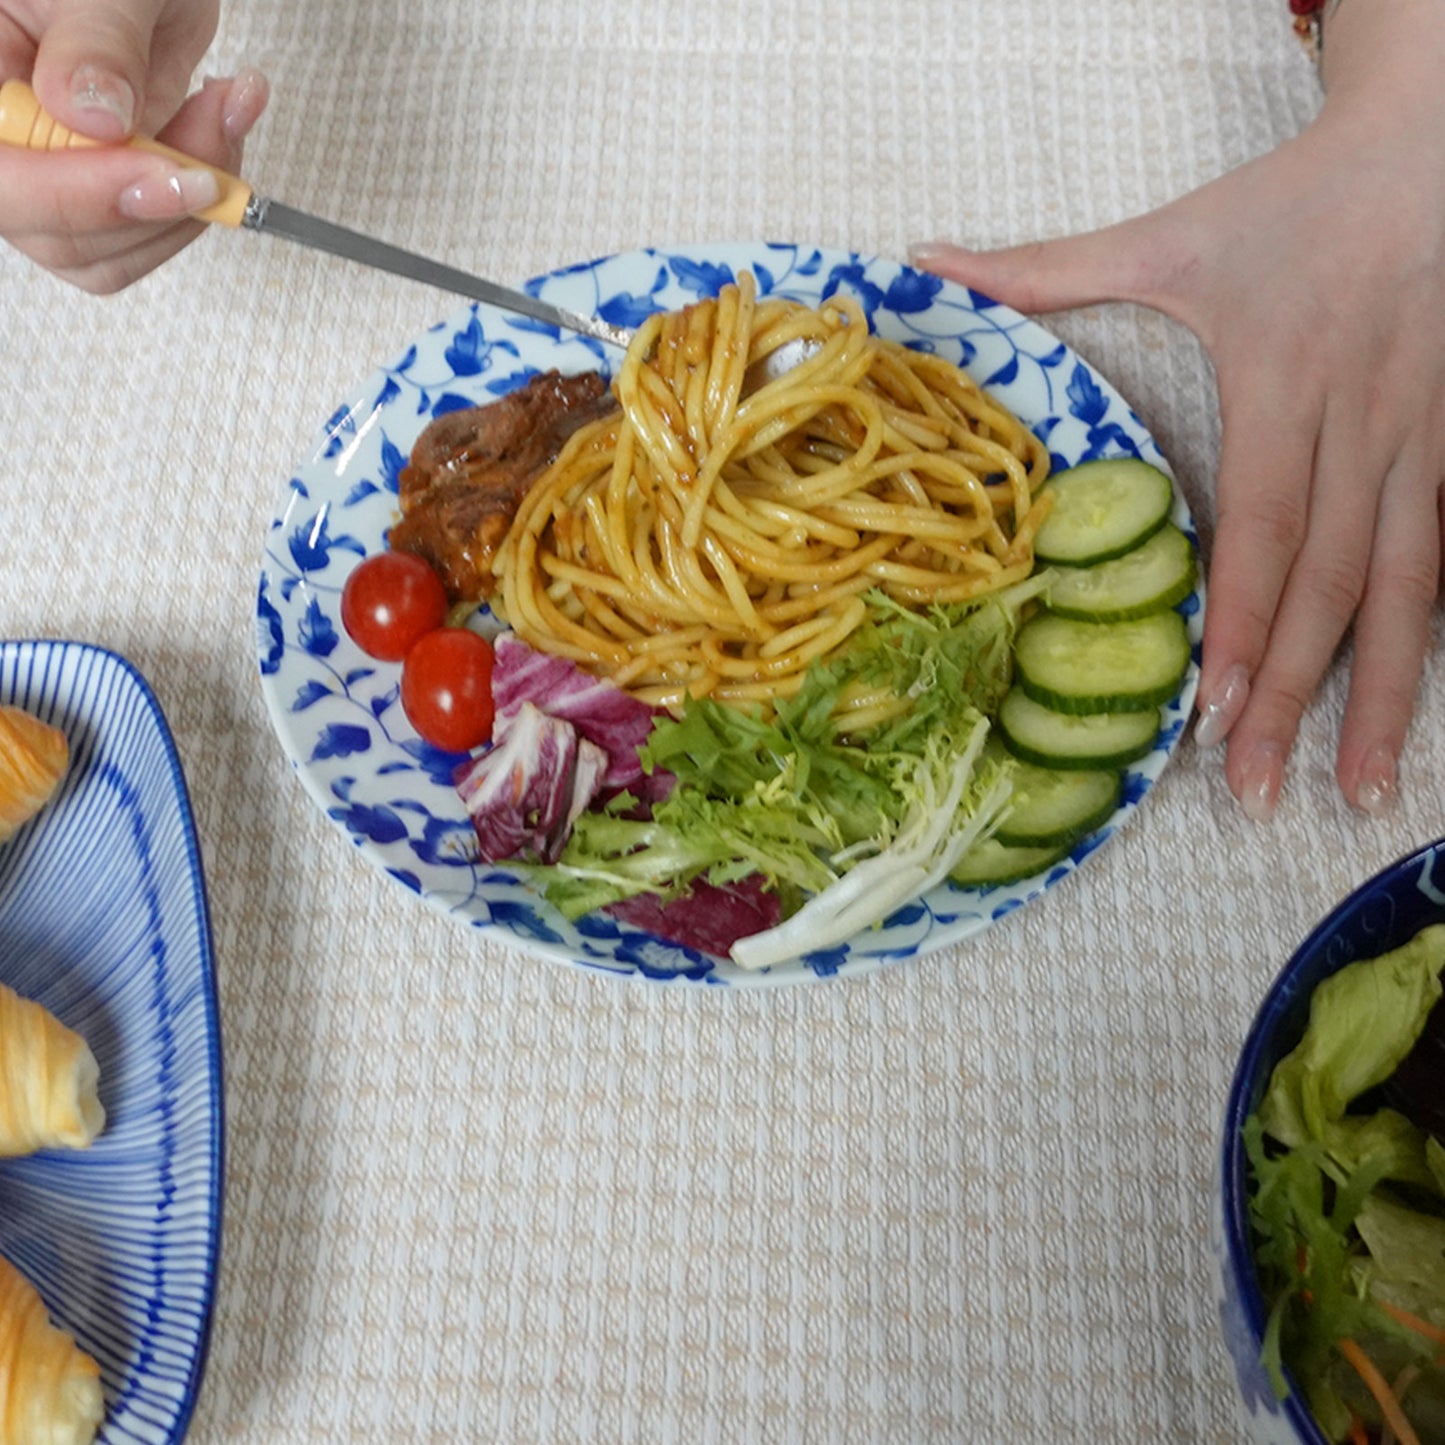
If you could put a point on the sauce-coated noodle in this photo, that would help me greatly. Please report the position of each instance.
(712, 539)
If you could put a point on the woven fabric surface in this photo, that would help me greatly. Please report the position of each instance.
(473, 1195)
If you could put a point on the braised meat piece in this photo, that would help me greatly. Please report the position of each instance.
(470, 469)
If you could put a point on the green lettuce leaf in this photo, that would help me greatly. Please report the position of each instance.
(771, 829)
(1363, 1021)
(799, 799)
(1385, 1139)
(1302, 1254)
(725, 752)
(953, 796)
(940, 664)
(1348, 1207)
(1407, 1253)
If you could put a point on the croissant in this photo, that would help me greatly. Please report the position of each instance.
(48, 1081)
(33, 757)
(49, 1387)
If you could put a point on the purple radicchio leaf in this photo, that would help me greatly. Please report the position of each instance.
(525, 792)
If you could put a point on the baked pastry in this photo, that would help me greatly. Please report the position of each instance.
(49, 1387)
(33, 759)
(48, 1081)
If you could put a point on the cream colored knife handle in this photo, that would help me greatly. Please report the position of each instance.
(24, 123)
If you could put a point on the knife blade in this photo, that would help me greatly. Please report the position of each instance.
(275, 218)
(25, 123)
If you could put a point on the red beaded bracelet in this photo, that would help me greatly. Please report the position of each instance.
(1309, 23)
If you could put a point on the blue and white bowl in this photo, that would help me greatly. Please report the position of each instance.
(103, 920)
(1379, 916)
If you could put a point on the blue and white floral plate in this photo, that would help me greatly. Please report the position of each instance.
(103, 919)
(338, 714)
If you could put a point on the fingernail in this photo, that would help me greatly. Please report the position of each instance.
(106, 99)
(1263, 775)
(926, 253)
(244, 103)
(169, 195)
(1376, 792)
(1219, 714)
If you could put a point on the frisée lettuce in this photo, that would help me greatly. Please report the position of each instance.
(845, 822)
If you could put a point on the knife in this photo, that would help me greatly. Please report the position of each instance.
(25, 123)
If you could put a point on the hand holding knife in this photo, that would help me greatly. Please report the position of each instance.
(24, 123)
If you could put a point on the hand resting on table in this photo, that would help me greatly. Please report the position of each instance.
(1314, 276)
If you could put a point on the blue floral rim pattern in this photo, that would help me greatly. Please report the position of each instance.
(338, 715)
(104, 920)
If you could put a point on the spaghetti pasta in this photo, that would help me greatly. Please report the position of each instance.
(714, 538)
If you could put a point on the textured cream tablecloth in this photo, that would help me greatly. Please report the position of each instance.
(475, 1196)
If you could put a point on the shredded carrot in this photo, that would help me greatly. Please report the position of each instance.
(1413, 1322)
(1379, 1387)
(1403, 1381)
(1357, 1431)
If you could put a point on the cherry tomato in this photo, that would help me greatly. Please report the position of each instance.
(446, 688)
(389, 601)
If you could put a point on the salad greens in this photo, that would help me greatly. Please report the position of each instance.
(1349, 1207)
(862, 823)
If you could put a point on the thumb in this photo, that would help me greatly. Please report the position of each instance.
(92, 64)
(1118, 263)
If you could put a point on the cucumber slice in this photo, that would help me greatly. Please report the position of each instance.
(1055, 807)
(990, 862)
(1051, 739)
(1102, 509)
(1087, 667)
(1157, 574)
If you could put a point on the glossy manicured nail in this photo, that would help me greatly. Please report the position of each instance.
(928, 253)
(168, 195)
(1263, 777)
(1222, 710)
(1376, 792)
(245, 101)
(105, 99)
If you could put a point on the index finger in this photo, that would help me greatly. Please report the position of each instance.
(76, 192)
(78, 213)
